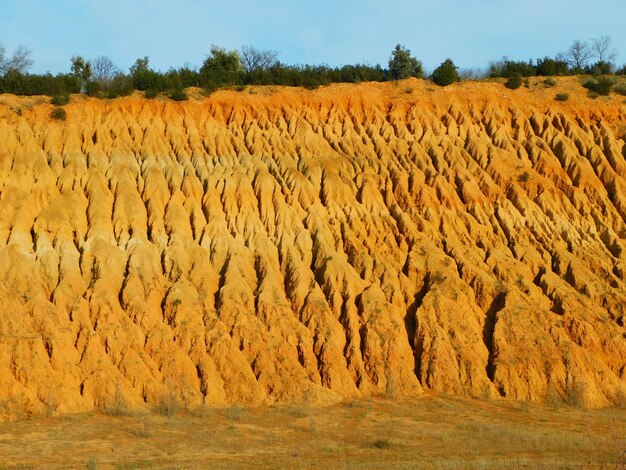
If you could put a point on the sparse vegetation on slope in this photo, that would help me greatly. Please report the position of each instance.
(514, 81)
(58, 114)
(602, 86)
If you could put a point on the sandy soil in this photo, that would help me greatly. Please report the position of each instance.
(277, 245)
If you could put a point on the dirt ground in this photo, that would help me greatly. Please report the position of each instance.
(431, 432)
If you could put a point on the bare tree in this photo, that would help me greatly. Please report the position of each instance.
(103, 70)
(603, 49)
(473, 74)
(20, 61)
(254, 59)
(578, 55)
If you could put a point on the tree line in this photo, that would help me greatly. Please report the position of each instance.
(252, 66)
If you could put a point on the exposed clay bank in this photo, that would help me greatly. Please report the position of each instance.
(290, 245)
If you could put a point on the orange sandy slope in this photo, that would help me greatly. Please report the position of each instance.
(283, 244)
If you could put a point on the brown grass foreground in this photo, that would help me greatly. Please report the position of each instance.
(431, 432)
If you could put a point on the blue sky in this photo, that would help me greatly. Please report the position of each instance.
(335, 32)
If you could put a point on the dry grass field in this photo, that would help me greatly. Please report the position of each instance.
(431, 432)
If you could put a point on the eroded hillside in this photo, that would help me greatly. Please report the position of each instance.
(312, 245)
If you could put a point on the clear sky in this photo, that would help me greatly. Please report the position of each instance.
(334, 32)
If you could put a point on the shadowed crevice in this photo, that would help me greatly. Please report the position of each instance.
(489, 327)
(411, 324)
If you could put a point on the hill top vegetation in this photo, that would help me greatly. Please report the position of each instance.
(252, 66)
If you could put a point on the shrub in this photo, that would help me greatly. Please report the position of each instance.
(298, 412)
(446, 73)
(58, 114)
(144, 78)
(602, 68)
(235, 413)
(549, 82)
(118, 407)
(605, 85)
(507, 68)
(524, 177)
(437, 277)
(575, 394)
(553, 400)
(151, 93)
(381, 444)
(60, 100)
(47, 84)
(210, 88)
(620, 89)
(120, 86)
(179, 95)
(514, 82)
(601, 86)
(548, 66)
(168, 405)
(143, 431)
(561, 97)
(92, 89)
(361, 73)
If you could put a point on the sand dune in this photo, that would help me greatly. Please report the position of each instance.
(313, 245)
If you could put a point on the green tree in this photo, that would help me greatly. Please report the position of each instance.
(548, 66)
(403, 65)
(144, 78)
(189, 76)
(221, 68)
(81, 70)
(140, 66)
(507, 68)
(602, 68)
(446, 73)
